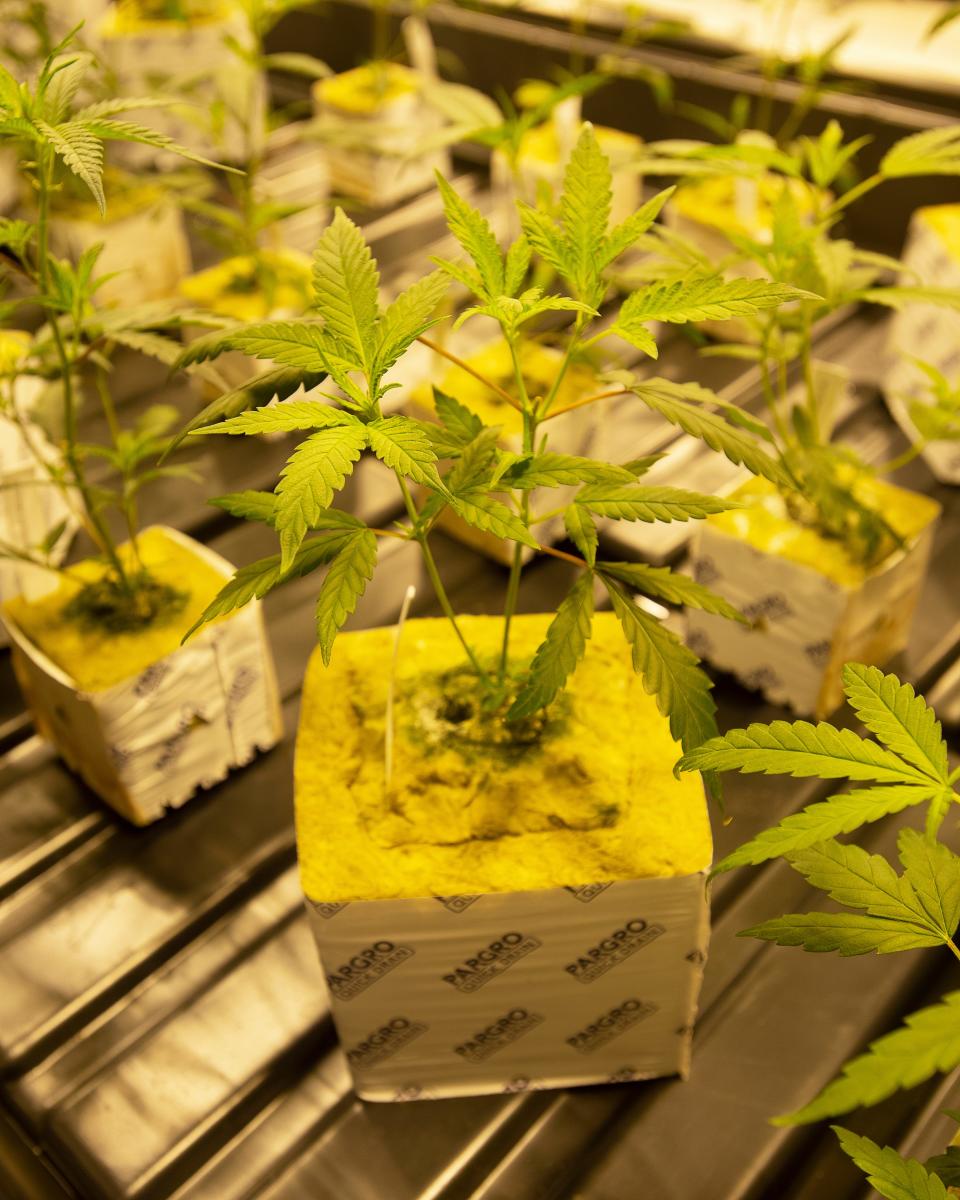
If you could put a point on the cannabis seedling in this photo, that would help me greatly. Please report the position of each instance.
(835, 274)
(886, 911)
(457, 462)
(54, 134)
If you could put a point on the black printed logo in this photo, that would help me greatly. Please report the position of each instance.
(365, 968)
(614, 948)
(768, 608)
(384, 1042)
(491, 961)
(588, 892)
(762, 679)
(818, 652)
(327, 911)
(610, 1025)
(242, 686)
(151, 678)
(456, 904)
(499, 1033)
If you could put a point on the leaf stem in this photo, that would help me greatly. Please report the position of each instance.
(861, 189)
(465, 366)
(585, 401)
(516, 566)
(437, 582)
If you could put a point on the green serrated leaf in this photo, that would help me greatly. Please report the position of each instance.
(343, 585)
(856, 879)
(629, 232)
(585, 211)
(670, 586)
(484, 512)
(826, 819)
(346, 287)
(933, 870)
(255, 580)
(462, 424)
(928, 1042)
(582, 531)
(713, 298)
(544, 236)
(314, 473)
(284, 417)
(894, 1177)
(559, 470)
(901, 719)
(932, 152)
(847, 934)
(405, 446)
(636, 502)
(410, 315)
(669, 671)
(516, 266)
(81, 151)
(249, 505)
(802, 750)
(735, 443)
(557, 656)
(473, 232)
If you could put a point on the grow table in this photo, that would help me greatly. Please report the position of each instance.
(162, 1032)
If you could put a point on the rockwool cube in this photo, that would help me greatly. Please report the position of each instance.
(928, 332)
(499, 917)
(809, 609)
(150, 741)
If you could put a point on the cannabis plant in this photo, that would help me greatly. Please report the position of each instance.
(457, 462)
(835, 273)
(886, 909)
(239, 227)
(53, 135)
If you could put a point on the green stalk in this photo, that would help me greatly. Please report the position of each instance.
(95, 521)
(861, 189)
(516, 566)
(437, 583)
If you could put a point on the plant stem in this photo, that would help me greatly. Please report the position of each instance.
(437, 583)
(953, 948)
(465, 366)
(585, 401)
(516, 566)
(861, 189)
(95, 523)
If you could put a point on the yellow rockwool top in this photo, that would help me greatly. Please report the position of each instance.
(944, 219)
(539, 366)
(97, 659)
(216, 290)
(713, 202)
(14, 344)
(541, 144)
(125, 18)
(365, 91)
(594, 800)
(765, 524)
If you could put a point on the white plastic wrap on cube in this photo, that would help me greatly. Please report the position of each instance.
(29, 506)
(195, 63)
(148, 250)
(928, 332)
(294, 171)
(804, 626)
(149, 743)
(516, 991)
(388, 169)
